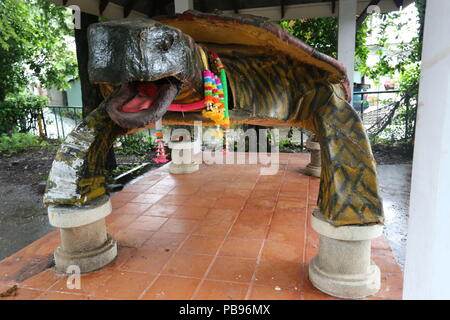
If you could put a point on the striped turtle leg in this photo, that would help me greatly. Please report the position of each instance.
(77, 174)
(349, 193)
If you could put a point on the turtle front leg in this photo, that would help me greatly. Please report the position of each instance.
(76, 195)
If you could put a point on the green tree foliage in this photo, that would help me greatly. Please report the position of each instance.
(20, 112)
(322, 35)
(33, 46)
(402, 61)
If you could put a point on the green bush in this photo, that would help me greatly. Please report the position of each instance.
(19, 113)
(18, 141)
(137, 143)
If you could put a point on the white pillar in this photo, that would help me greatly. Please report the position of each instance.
(347, 37)
(427, 269)
(183, 5)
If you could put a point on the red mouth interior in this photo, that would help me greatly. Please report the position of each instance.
(147, 93)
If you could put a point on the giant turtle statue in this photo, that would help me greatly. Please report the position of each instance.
(273, 80)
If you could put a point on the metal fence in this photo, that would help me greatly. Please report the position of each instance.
(374, 105)
(60, 120)
(370, 105)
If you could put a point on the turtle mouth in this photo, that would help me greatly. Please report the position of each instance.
(139, 103)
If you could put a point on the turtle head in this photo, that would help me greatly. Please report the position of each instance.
(143, 65)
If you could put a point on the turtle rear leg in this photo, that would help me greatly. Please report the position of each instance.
(349, 193)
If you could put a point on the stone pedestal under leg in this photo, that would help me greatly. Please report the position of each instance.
(84, 239)
(343, 267)
(314, 167)
(184, 157)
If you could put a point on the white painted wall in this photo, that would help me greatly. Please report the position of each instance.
(183, 5)
(347, 37)
(427, 270)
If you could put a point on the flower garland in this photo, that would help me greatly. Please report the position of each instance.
(216, 103)
(216, 97)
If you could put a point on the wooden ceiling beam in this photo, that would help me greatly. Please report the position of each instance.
(364, 14)
(333, 6)
(102, 6)
(129, 5)
(398, 3)
(150, 8)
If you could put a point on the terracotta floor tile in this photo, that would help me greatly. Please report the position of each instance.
(123, 254)
(222, 214)
(21, 294)
(42, 280)
(187, 189)
(132, 209)
(381, 243)
(138, 188)
(148, 223)
(61, 296)
(259, 226)
(265, 194)
(174, 199)
(200, 200)
(282, 251)
(249, 230)
(41, 247)
(230, 203)
(119, 221)
(272, 186)
(283, 274)
(221, 290)
(391, 286)
(124, 285)
(289, 218)
(159, 189)
(262, 216)
(18, 269)
(188, 212)
(188, 265)
(132, 237)
(294, 206)
(232, 269)
(260, 203)
(201, 245)
(159, 210)
(165, 240)
(274, 293)
(148, 198)
(171, 288)
(243, 248)
(286, 233)
(216, 228)
(233, 191)
(386, 261)
(147, 260)
(124, 196)
(175, 225)
(88, 283)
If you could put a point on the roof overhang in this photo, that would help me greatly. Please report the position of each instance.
(119, 9)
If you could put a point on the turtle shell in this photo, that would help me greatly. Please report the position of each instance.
(236, 29)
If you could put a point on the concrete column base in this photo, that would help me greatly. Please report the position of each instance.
(314, 167)
(343, 267)
(84, 239)
(183, 168)
(184, 157)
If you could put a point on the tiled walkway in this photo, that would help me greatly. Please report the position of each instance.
(225, 232)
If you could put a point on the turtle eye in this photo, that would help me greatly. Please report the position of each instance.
(165, 42)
